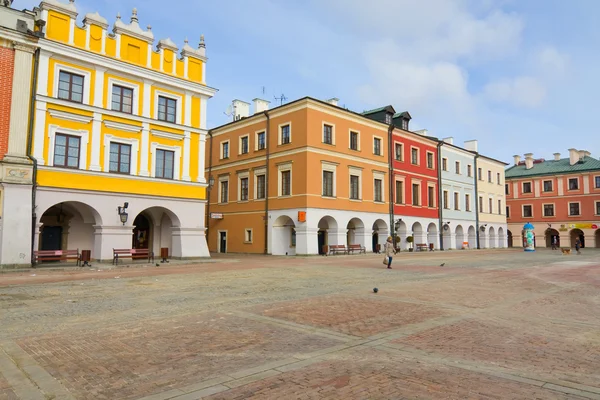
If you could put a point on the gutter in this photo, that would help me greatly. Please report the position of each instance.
(476, 177)
(36, 63)
(391, 183)
(268, 149)
(440, 199)
(210, 152)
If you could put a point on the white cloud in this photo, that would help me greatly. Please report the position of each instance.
(551, 62)
(522, 91)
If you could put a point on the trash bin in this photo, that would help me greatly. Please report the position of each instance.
(164, 254)
(86, 257)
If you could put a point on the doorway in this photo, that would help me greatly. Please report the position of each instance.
(510, 239)
(52, 238)
(321, 242)
(141, 233)
(375, 242)
(222, 242)
(577, 234)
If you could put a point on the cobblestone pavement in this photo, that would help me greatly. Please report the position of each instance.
(494, 324)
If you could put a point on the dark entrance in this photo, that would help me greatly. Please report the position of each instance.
(510, 239)
(552, 234)
(141, 232)
(222, 242)
(52, 238)
(375, 241)
(577, 234)
(321, 241)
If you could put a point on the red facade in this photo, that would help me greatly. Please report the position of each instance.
(6, 77)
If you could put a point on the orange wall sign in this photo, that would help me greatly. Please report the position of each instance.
(301, 216)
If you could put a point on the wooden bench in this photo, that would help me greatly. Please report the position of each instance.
(357, 247)
(338, 248)
(422, 246)
(56, 255)
(134, 254)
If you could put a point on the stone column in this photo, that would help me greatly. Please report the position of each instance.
(19, 106)
(15, 246)
(307, 240)
(363, 237)
(337, 236)
(189, 243)
(107, 238)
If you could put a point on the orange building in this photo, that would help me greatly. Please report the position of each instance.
(295, 178)
(561, 198)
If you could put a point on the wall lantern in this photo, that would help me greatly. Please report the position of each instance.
(123, 213)
(397, 224)
(211, 181)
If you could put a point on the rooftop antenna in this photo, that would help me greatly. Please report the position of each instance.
(281, 99)
(264, 89)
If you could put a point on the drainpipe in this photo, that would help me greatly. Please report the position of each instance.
(36, 63)
(440, 198)
(392, 187)
(476, 175)
(268, 148)
(210, 151)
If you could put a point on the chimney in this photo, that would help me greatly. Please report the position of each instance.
(517, 159)
(422, 132)
(449, 140)
(556, 156)
(260, 105)
(573, 156)
(241, 109)
(471, 145)
(333, 101)
(528, 160)
(587, 153)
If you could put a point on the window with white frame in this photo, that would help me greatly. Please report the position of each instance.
(285, 180)
(260, 140)
(122, 99)
(489, 176)
(244, 144)
(223, 190)
(416, 194)
(548, 210)
(469, 170)
(248, 235)
(354, 187)
(445, 196)
(285, 134)
(398, 151)
(527, 211)
(498, 178)
(377, 146)
(414, 156)
(598, 208)
(66, 150)
(225, 150)
(526, 187)
(444, 164)
(399, 192)
(479, 174)
(481, 204)
(467, 202)
(574, 209)
(457, 167)
(490, 205)
(548, 186)
(260, 187)
(573, 184)
(327, 134)
(243, 187)
(597, 182)
(500, 207)
(328, 183)
(70, 86)
(167, 109)
(430, 196)
(120, 158)
(165, 164)
(456, 201)
(354, 140)
(378, 190)
(429, 159)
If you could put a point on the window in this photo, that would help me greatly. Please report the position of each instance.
(354, 140)
(480, 204)
(388, 119)
(446, 199)
(70, 87)
(328, 134)
(260, 186)
(457, 167)
(506, 189)
(547, 186)
(399, 192)
(414, 156)
(285, 134)
(243, 189)
(167, 109)
(470, 171)
(456, 201)
(500, 207)
(548, 210)
(526, 187)
(377, 146)
(527, 211)
(405, 124)
(354, 187)
(415, 194)
(165, 163)
(490, 176)
(398, 152)
(122, 99)
(260, 141)
(377, 187)
(286, 183)
(490, 202)
(430, 196)
(597, 182)
(598, 208)
(445, 164)
(120, 156)
(224, 191)
(498, 178)
(225, 150)
(573, 183)
(328, 183)
(66, 151)
(248, 236)
(479, 174)
(573, 208)
(507, 212)
(429, 160)
(244, 145)
(467, 202)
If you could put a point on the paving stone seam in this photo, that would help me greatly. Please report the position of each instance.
(18, 379)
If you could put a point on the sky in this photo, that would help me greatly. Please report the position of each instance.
(519, 76)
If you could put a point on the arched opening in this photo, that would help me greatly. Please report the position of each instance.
(552, 236)
(401, 235)
(472, 237)
(501, 238)
(597, 236)
(68, 226)
(510, 239)
(577, 234)
(417, 234)
(284, 237)
(492, 238)
(460, 236)
(379, 236)
(432, 235)
(447, 236)
(326, 224)
(153, 230)
(356, 229)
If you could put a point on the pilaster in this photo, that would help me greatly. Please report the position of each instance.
(145, 149)
(96, 142)
(186, 157)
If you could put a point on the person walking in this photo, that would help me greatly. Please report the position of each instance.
(578, 245)
(389, 251)
(554, 243)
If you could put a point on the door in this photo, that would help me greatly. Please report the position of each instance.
(222, 242)
(141, 233)
(52, 238)
(321, 241)
(375, 242)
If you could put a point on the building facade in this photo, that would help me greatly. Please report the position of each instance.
(119, 137)
(18, 43)
(560, 197)
(491, 203)
(296, 178)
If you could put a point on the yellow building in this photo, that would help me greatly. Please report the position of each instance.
(491, 207)
(118, 123)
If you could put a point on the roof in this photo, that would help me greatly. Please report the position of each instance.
(553, 167)
(376, 110)
(403, 114)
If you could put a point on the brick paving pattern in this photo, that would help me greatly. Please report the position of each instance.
(6, 392)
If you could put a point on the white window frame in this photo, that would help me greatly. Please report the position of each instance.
(240, 176)
(401, 159)
(420, 199)
(356, 172)
(596, 204)
(280, 169)
(432, 159)
(470, 170)
(135, 145)
(551, 183)
(279, 133)
(176, 161)
(480, 174)
(499, 178)
(257, 173)
(445, 164)
(350, 131)
(256, 133)
(456, 201)
(332, 125)
(553, 210)
(403, 180)
(523, 187)
(136, 95)
(569, 184)
(330, 167)
(490, 176)
(380, 176)
(457, 164)
(87, 77)
(523, 210)
(418, 155)
(467, 202)
(380, 146)
(594, 182)
(431, 185)
(221, 155)
(178, 106)
(574, 202)
(445, 203)
(507, 208)
(240, 145)
(83, 143)
(246, 230)
(221, 180)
